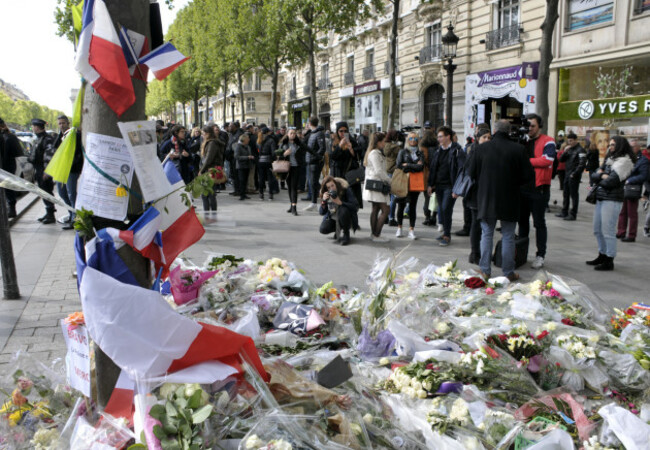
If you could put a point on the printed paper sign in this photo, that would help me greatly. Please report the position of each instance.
(96, 193)
(140, 138)
(77, 360)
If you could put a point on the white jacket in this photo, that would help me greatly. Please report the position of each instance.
(376, 170)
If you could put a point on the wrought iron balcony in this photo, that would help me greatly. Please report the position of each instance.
(292, 94)
(369, 73)
(324, 84)
(348, 78)
(306, 89)
(503, 37)
(430, 54)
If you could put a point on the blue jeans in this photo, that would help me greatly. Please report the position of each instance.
(605, 220)
(445, 207)
(68, 191)
(507, 246)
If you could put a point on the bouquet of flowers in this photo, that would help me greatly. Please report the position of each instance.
(274, 268)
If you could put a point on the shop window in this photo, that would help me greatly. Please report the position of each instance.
(250, 104)
(641, 6)
(582, 14)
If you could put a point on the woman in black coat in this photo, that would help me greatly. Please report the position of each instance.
(176, 147)
(292, 149)
(345, 157)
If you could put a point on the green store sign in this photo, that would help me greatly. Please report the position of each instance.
(606, 108)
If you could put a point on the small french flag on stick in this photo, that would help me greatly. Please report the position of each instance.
(163, 60)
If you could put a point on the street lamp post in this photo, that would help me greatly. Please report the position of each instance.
(232, 97)
(449, 45)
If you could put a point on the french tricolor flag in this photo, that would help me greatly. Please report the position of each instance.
(134, 46)
(163, 60)
(100, 58)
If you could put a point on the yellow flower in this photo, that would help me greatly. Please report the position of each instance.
(41, 411)
(120, 191)
(15, 417)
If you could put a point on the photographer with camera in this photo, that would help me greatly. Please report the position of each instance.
(339, 207)
(535, 196)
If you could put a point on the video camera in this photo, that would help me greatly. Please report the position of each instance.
(520, 134)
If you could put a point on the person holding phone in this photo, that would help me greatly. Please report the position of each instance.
(345, 157)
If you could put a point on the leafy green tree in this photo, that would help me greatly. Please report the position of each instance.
(317, 18)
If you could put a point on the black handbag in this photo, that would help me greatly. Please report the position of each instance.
(356, 176)
(591, 196)
(463, 184)
(378, 186)
(632, 191)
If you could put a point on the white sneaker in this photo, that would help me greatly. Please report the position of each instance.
(380, 240)
(538, 263)
(311, 207)
(412, 235)
(440, 228)
(399, 233)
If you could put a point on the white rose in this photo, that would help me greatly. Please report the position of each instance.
(384, 361)
(254, 442)
(422, 393)
(368, 418)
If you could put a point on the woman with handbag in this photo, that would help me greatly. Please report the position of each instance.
(631, 195)
(411, 161)
(212, 151)
(267, 147)
(377, 185)
(293, 150)
(608, 189)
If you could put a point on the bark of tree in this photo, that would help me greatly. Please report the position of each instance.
(9, 278)
(99, 118)
(242, 102)
(197, 121)
(184, 115)
(274, 91)
(545, 58)
(313, 111)
(393, 104)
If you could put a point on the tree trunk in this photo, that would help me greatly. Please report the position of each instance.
(197, 121)
(312, 75)
(184, 115)
(206, 117)
(9, 278)
(240, 86)
(225, 96)
(99, 118)
(274, 91)
(393, 105)
(545, 58)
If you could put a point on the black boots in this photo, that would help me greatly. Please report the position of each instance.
(345, 240)
(293, 210)
(48, 219)
(607, 264)
(11, 212)
(599, 260)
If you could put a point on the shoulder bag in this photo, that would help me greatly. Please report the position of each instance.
(399, 185)
(378, 186)
(632, 191)
(356, 176)
(591, 196)
(281, 166)
(463, 184)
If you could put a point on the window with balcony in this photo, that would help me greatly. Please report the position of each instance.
(369, 70)
(258, 82)
(348, 77)
(250, 104)
(324, 81)
(432, 49)
(506, 23)
(582, 14)
(641, 6)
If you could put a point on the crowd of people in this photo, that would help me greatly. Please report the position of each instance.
(499, 180)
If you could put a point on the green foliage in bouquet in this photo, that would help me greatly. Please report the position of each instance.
(181, 417)
(83, 224)
(219, 260)
(200, 185)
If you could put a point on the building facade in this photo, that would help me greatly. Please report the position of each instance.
(602, 58)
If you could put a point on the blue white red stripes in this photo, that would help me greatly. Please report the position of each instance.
(163, 60)
(100, 58)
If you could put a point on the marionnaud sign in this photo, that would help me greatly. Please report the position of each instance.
(524, 71)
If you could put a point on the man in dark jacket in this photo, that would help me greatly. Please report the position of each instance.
(575, 160)
(68, 191)
(40, 158)
(234, 133)
(315, 139)
(499, 168)
(444, 166)
(10, 150)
